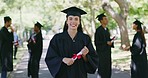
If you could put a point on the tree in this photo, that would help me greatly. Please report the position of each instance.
(120, 17)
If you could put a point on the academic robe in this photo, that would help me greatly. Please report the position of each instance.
(61, 45)
(138, 58)
(6, 49)
(35, 54)
(104, 51)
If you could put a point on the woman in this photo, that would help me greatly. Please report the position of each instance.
(35, 47)
(138, 53)
(71, 41)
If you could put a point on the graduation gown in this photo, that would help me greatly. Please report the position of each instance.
(104, 51)
(35, 54)
(61, 45)
(6, 49)
(138, 58)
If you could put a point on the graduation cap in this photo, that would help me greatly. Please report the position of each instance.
(74, 11)
(38, 25)
(137, 22)
(100, 17)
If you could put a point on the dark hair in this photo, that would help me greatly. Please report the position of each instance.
(7, 19)
(140, 30)
(79, 27)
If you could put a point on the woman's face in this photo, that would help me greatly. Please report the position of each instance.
(134, 26)
(73, 22)
(36, 29)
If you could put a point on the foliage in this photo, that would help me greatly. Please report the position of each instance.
(25, 13)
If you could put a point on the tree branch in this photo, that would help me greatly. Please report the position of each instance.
(123, 4)
(107, 8)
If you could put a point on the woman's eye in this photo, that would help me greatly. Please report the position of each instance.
(70, 18)
(76, 19)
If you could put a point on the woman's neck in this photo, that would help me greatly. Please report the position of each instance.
(72, 33)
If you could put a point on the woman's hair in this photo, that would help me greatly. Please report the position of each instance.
(139, 29)
(79, 27)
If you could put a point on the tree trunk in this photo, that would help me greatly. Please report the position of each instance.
(90, 28)
(123, 33)
(92, 20)
(119, 18)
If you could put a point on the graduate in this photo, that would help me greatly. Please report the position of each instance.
(138, 53)
(35, 46)
(65, 46)
(103, 45)
(6, 47)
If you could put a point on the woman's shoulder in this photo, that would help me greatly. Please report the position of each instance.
(83, 35)
(59, 35)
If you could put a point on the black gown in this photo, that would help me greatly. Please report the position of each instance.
(104, 51)
(62, 46)
(138, 58)
(6, 49)
(35, 54)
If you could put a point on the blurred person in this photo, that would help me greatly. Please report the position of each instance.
(15, 43)
(6, 50)
(139, 65)
(103, 45)
(35, 47)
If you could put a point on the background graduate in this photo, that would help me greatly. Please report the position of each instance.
(138, 53)
(6, 47)
(71, 41)
(103, 47)
(35, 46)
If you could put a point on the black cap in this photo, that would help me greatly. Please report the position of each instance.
(38, 25)
(100, 17)
(137, 22)
(74, 11)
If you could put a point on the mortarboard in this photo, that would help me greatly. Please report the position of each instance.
(99, 17)
(73, 11)
(137, 22)
(38, 25)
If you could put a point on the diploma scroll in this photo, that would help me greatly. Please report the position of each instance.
(77, 56)
(114, 38)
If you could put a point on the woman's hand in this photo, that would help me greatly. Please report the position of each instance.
(84, 52)
(68, 61)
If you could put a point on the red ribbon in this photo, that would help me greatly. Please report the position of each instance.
(76, 56)
(114, 38)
